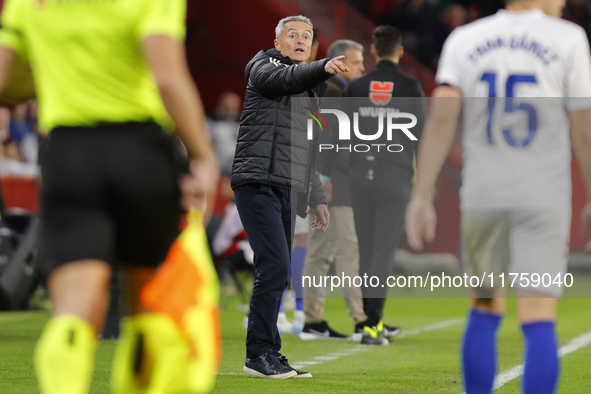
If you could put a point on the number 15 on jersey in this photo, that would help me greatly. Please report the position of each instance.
(512, 81)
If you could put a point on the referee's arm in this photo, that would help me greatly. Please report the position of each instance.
(166, 58)
(16, 80)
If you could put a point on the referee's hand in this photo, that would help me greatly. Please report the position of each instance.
(199, 183)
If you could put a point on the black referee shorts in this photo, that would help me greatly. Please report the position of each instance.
(110, 193)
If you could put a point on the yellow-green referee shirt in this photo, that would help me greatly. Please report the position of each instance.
(86, 56)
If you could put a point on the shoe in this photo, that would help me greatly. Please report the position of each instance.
(374, 336)
(268, 366)
(356, 336)
(358, 333)
(283, 325)
(299, 318)
(391, 331)
(319, 331)
(299, 374)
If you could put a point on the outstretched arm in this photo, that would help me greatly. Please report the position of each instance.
(273, 79)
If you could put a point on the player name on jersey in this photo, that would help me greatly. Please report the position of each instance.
(523, 43)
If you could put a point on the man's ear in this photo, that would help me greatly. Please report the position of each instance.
(374, 51)
(400, 51)
(276, 42)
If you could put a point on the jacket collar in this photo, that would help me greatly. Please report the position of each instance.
(387, 63)
(277, 55)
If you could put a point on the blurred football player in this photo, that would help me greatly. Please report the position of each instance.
(516, 190)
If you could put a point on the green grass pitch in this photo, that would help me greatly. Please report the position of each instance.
(425, 359)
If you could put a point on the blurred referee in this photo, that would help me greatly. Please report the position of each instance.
(111, 77)
(381, 181)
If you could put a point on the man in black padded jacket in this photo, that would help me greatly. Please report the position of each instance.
(271, 160)
(381, 179)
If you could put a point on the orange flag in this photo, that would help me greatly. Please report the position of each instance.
(186, 288)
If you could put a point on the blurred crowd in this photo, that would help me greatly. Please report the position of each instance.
(19, 139)
(425, 24)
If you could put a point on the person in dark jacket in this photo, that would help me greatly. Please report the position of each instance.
(381, 178)
(272, 170)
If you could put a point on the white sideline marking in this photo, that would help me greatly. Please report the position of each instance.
(302, 363)
(328, 358)
(507, 376)
(431, 327)
(331, 356)
(362, 348)
(577, 343)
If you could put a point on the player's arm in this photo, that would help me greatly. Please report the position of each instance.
(166, 58)
(580, 122)
(438, 135)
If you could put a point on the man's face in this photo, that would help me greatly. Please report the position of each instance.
(295, 41)
(552, 7)
(354, 60)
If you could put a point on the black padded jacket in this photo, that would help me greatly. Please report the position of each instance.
(273, 148)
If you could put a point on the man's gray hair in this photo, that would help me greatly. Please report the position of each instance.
(340, 47)
(297, 18)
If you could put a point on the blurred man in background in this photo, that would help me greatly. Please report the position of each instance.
(315, 45)
(516, 189)
(223, 126)
(337, 245)
(381, 180)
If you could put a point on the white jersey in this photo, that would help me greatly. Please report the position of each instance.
(517, 151)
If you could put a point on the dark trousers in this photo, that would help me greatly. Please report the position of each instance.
(378, 209)
(267, 217)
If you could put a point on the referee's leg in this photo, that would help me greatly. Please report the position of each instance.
(152, 353)
(64, 358)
